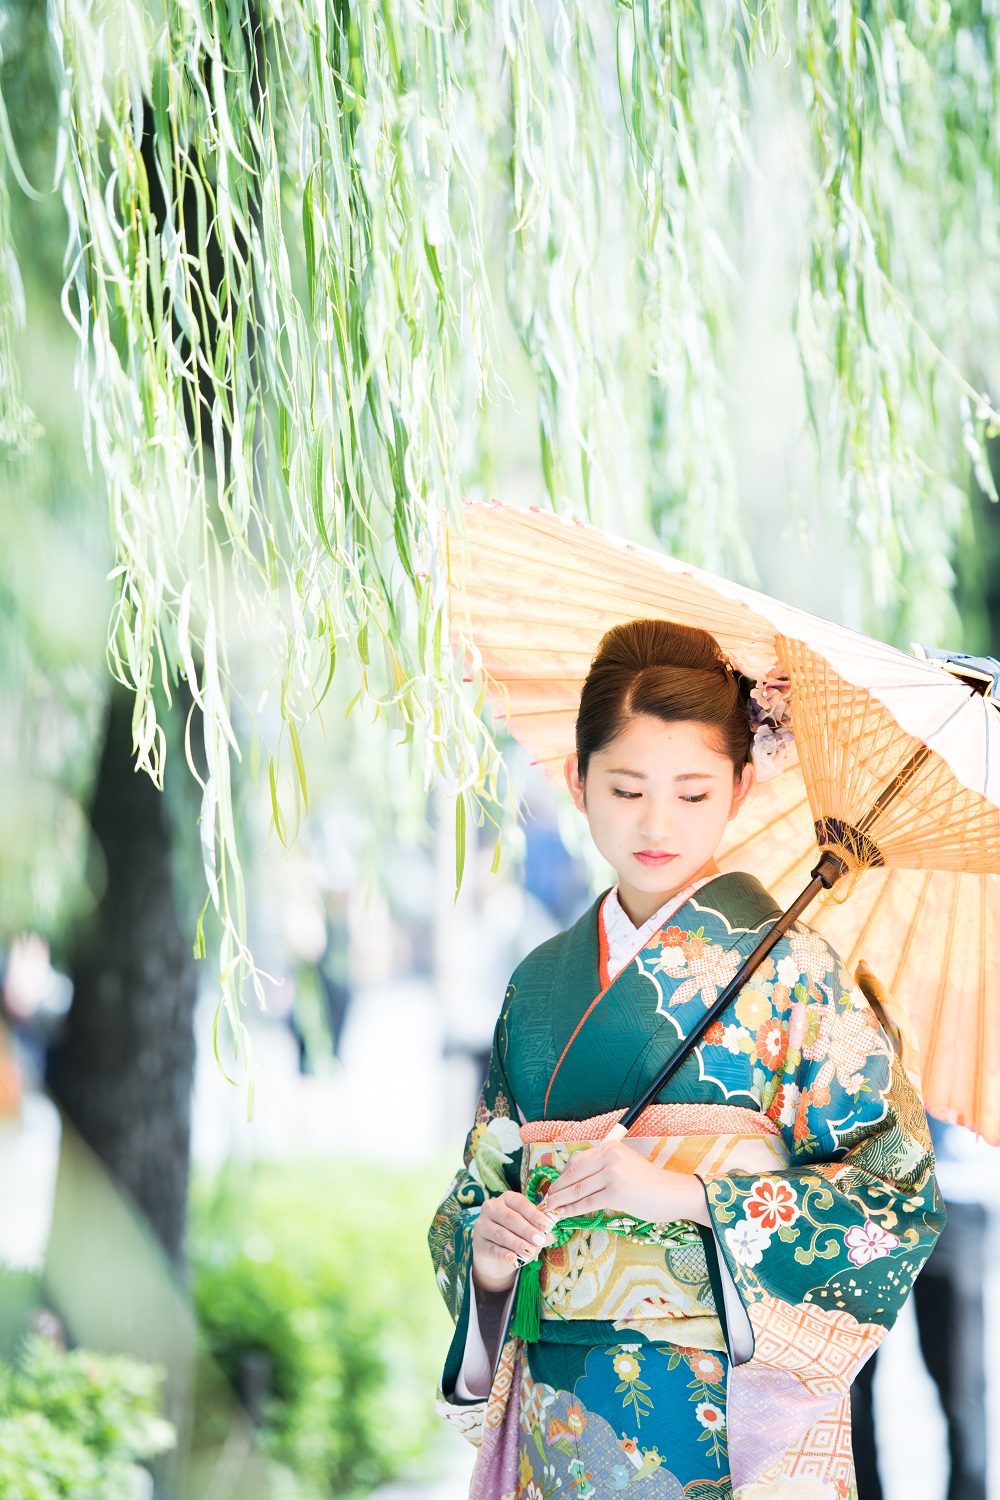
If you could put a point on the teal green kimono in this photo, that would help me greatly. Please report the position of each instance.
(813, 1147)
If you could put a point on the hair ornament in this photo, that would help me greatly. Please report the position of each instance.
(769, 708)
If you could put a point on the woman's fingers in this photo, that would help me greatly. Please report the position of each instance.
(537, 1218)
(581, 1165)
(504, 1223)
(569, 1196)
(506, 1241)
(520, 1214)
(498, 1239)
(588, 1204)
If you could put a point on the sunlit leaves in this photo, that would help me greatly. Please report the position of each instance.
(288, 229)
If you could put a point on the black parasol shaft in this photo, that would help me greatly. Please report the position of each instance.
(829, 870)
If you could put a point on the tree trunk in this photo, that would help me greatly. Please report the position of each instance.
(123, 1070)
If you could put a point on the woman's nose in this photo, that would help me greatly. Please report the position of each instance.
(655, 825)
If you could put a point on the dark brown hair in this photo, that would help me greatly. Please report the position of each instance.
(670, 672)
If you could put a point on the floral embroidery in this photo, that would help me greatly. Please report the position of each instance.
(816, 1038)
(854, 1037)
(772, 1044)
(671, 937)
(627, 1363)
(800, 1130)
(672, 959)
(711, 967)
(733, 1036)
(705, 1365)
(708, 1391)
(747, 1241)
(797, 1026)
(789, 972)
(811, 954)
(869, 1241)
(753, 1007)
(710, 1415)
(784, 1104)
(772, 1203)
(715, 1036)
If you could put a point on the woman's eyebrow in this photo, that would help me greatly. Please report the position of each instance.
(641, 775)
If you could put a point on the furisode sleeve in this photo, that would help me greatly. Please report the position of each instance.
(491, 1165)
(824, 1252)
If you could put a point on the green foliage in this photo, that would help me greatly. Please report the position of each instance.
(76, 1426)
(286, 228)
(323, 1269)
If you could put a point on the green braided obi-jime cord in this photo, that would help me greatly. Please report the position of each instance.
(526, 1323)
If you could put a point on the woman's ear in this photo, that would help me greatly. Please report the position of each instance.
(574, 781)
(742, 787)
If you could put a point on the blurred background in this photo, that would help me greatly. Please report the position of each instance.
(752, 318)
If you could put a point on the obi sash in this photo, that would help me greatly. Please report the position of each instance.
(664, 1288)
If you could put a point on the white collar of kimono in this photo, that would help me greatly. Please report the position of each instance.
(626, 940)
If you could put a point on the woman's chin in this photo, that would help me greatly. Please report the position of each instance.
(672, 875)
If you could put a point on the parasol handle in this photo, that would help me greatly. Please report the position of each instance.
(826, 873)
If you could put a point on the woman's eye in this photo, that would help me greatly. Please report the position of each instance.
(698, 797)
(620, 792)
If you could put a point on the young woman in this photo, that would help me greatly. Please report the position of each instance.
(741, 1254)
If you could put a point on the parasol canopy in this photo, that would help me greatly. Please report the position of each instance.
(889, 761)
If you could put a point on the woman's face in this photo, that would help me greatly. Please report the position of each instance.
(658, 799)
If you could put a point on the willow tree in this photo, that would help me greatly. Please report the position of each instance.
(295, 233)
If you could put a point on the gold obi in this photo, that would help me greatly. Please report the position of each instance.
(661, 1290)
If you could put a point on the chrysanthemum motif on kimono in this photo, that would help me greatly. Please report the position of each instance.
(818, 1171)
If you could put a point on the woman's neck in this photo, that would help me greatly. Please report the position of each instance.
(639, 906)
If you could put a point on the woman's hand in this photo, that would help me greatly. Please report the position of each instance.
(509, 1228)
(618, 1179)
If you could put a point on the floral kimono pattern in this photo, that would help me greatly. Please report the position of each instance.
(813, 1147)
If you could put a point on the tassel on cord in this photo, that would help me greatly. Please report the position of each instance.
(527, 1320)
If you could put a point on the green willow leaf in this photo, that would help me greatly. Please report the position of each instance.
(460, 834)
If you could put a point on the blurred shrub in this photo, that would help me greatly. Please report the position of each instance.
(314, 1290)
(76, 1426)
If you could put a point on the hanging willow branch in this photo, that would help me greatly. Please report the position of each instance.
(18, 427)
(274, 282)
(286, 222)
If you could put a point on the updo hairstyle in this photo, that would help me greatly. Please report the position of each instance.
(669, 672)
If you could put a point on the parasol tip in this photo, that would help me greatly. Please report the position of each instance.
(980, 673)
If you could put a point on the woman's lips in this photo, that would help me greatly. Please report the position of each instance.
(651, 857)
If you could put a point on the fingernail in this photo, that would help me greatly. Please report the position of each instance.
(539, 1239)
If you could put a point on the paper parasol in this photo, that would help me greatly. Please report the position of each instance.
(895, 764)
